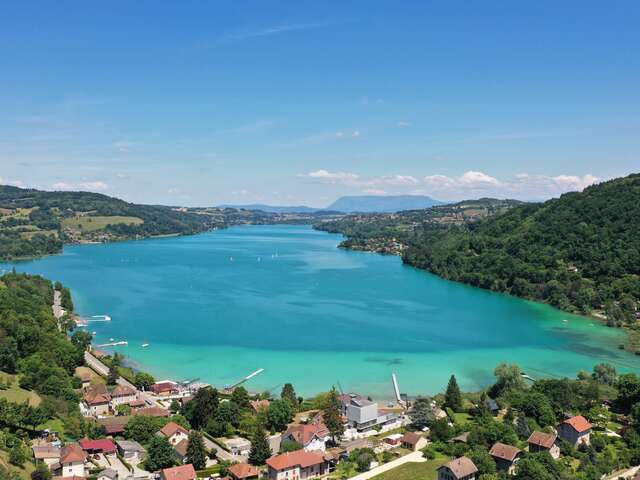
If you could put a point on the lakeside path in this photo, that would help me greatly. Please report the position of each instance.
(412, 457)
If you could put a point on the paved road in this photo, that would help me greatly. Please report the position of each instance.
(628, 473)
(412, 457)
(103, 370)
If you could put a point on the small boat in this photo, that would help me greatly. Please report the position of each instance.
(145, 345)
(111, 339)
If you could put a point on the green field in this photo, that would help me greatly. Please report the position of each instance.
(90, 224)
(414, 470)
(16, 394)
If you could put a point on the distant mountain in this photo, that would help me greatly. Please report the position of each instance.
(378, 203)
(273, 208)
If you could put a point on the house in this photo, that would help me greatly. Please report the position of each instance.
(72, 458)
(174, 433)
(544, 442)
(393, 440)
(165, 387)
(122, 394)
(413, 441)
(576, 430)
(258, 405)
(362, 413)
(238, 446)
(298, 465)
(130, 450)
(94, 447)
(85, 379)
(107, 474)
(152, 412)
(506, 457)
(243, 471)
(48, 454)
(97, 400)
(183, 472)
(181, 450)
(274, 443)
(440, 414)
(312, 437)
(462, 438)
(461, 468)
(492, 406)
(114, 425)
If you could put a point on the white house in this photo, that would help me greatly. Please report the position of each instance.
(576, 430)
(312, 437)
(122, 394)
(72, 459)
(175, 433)
(298, 465)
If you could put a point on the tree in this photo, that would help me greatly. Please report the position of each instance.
(279, 414)
(288, 393)
(508, 377)
(485, 462)
(453, 397)
(421, 413)
(123, 409)
(605, 373)
(143, 380)
(363, 458)
(332, 415)
(196, 453)
(160, 454)
(290, 446)
(112, 377)
(260, 449)
(9, 355)
(142, 428)
(17, 455)
(41, 472)
(81, 339)
(240, 397)
(202, 407)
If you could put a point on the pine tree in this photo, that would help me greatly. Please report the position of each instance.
(196, 453)
(288, 393)
(332, 415)
(453, 397)
(260, 449)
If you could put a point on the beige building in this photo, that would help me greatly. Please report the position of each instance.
(298, 465)
(459, 469)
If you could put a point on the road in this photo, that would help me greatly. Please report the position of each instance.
(221, 453)
(412, 457)
(627, 474)
(103, 370)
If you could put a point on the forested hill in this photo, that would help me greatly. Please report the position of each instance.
(580, 252)
(34, 222)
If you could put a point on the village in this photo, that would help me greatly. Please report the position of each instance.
(146, 434)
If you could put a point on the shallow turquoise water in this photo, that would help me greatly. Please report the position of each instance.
(220, 305)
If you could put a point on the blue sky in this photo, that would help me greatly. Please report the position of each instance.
(201, 103)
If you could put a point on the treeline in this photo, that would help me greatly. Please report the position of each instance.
(579, 252)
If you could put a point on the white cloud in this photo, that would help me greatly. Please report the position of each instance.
(404, 124)
(353, 179)
(269, 31)
(523, 186)
(89, 186)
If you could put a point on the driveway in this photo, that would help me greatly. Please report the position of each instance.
(412, 457)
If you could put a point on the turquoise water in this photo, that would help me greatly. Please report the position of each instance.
(220, 305)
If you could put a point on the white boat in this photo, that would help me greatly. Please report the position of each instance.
(145, 345)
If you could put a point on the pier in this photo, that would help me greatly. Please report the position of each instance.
(245, 379)
(113, 344)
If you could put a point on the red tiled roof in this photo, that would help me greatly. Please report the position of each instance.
(292, 459)
(412, 438)
(504, 451)
(72, 453)
(45, 451)
(163, 387)
(304, 434)
(181, 447)
(183, 472)
(541, 439)
(152, 412)
(461, 467)
(259, 404)
(171, 428)
(579, 423)
(96, 396)
(103, 445)
(122, 391)
(243, 470)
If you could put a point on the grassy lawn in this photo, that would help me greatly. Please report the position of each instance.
(90, 224)
(461, 418)
(95, 378)
(414, 470)
(16, 394)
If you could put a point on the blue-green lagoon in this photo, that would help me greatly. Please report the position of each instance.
(220, 305)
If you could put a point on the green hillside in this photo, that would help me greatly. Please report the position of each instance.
(34, 222)
(580, 252)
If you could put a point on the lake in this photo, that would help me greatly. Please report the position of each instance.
(220, 305)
